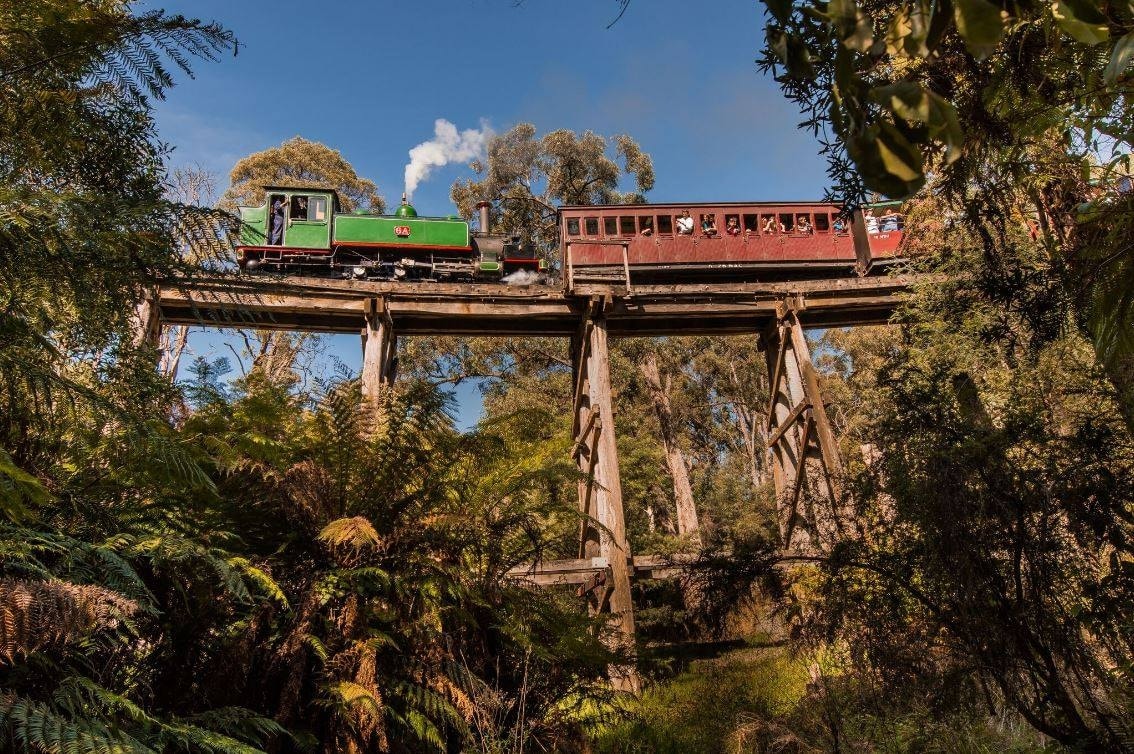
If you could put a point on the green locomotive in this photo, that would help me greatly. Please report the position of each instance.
(303, 230)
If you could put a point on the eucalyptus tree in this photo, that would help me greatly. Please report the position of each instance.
(301, 163)
(1018, 110)
(527, 178)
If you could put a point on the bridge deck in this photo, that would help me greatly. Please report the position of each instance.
(321, 305)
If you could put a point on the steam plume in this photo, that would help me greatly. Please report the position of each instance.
(447, 145)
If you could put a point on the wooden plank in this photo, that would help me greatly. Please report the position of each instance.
(800, 474)
(788, 422)
(582, 570)
(586, 492)
(774, 378)
(500, 312)
(592, 418)
(828, 446)
(613, 542)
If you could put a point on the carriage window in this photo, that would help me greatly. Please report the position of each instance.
(732, 225)
(591, 224)
(572, 226)
(839, 224)
(787, 223)
(646, 225)
(768, 225)
(626, 225)
(317, 210)
(610, 226)
(822, 223)
(665, 224)
(709, 224)
(752, 223)
(299, 208)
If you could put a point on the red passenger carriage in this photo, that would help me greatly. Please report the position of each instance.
(738, 241)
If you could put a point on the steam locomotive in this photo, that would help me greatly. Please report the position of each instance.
(302, 230)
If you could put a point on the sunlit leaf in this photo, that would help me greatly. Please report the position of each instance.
(1120, 59)
(1082, 20)
(855, 28)
(911, 101)
(908, 32)
(980, 23)
(792, 52)
(887, 161)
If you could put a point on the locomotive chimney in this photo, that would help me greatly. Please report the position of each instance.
(482, 207)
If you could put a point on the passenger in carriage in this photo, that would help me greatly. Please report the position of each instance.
(684, 224)
(732, 225)
(708, 225)
(646, 224)
(769, 226)
(803, 225)
(871, 221)
(840, 225)
(891, 222)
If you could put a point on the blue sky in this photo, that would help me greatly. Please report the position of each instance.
(370, 79)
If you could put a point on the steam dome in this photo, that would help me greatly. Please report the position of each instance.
(405, 209)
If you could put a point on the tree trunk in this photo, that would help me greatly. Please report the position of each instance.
(751, 431)
(674, 457)
(173, 346)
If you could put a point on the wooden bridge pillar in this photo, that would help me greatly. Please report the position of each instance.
(379, 351)
(806, 465)
(600, 489)
(145, 322)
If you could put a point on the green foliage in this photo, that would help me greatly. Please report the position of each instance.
(1000, 470)
(300, 163)
(1019, 110)
(527, 178)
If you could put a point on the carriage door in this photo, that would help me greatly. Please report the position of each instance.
(308, 221)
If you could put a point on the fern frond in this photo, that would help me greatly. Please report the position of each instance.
(355, 533)
(37, 614)
(35, 728)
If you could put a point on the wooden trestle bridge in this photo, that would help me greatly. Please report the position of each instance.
(806, 465)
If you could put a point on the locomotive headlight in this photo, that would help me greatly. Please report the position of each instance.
(359, 272)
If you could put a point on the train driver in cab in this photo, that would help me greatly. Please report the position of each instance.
(279, 207)
(684, 224)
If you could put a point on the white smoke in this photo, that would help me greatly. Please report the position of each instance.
(447, 145)
(522, 277)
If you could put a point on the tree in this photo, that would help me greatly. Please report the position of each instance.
(395, 627)
(1019, 110)
(996, 499)
(301, 163)
(90, 568)
(527, 179)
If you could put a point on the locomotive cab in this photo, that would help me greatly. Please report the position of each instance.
(290, 218)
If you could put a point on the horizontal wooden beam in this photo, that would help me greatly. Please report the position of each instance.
(327, 305)
(581, 570)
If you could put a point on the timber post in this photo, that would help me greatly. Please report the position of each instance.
(379, 351)
(806, 465)
(600, 487)
(146, 321)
